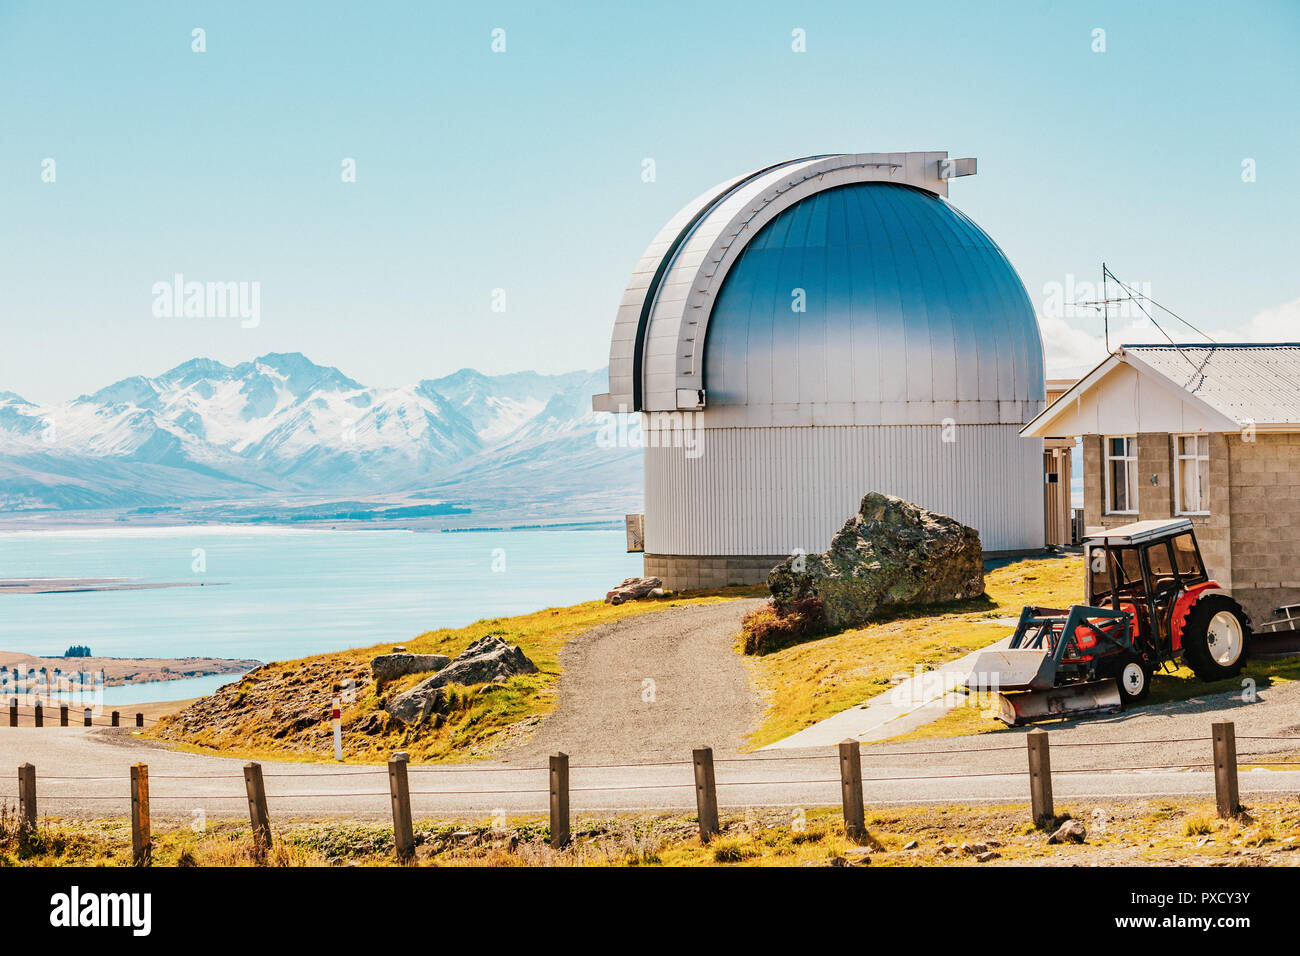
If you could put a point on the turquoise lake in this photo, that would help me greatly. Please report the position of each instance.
(273, 594)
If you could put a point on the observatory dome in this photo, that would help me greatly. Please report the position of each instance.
(822, 328)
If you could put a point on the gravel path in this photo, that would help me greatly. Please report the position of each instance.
(650, 687)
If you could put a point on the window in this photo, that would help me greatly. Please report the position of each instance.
(1192, 474)
(1121, 475)
(1187, 560)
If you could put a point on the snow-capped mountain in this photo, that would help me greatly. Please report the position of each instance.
(282, 424)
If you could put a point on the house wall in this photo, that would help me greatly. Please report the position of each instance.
(1265, 488)
(1251, 539)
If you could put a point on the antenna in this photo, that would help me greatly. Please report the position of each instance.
(1105, 303)
(1137, 298)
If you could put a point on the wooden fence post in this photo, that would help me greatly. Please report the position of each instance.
(63, 715)
(89, 717)
(13, 712)
(139, 719)
(1226, 795)
(1040, 778)
(257, 814)
(855, 824)
(141, 841)
(116, 719)
(560, 801)
(38, 715)
(399, 789)
(27, 796)
(706, 793)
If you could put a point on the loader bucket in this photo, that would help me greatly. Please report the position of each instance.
(1012, 669)
(1069, 700)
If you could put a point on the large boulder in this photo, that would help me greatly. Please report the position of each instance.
(891, 553)
(485, 661)
(388, 667)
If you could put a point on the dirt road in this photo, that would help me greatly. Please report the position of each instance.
(651, 687)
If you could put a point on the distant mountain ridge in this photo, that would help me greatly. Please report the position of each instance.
(281, 424)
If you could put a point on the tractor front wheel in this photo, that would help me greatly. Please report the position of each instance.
(1133, 675)
(1216, 638)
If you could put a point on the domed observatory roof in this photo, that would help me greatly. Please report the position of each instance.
(870, 304)
(839, 289)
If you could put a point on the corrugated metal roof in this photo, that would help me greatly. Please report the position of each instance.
(1257, 384)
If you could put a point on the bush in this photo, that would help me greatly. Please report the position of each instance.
(768, 629)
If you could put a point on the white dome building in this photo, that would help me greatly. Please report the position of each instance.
(829, 326)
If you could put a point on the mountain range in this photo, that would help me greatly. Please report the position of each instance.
(282, 427)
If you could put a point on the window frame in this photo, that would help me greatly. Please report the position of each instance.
(1202, 494)
(1108, 491)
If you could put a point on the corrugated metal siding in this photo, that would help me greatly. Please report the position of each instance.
(1247, 383)
(771, 490)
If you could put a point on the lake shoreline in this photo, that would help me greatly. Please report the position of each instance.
(121, 671)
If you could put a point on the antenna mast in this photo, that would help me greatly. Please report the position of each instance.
(1105, 304)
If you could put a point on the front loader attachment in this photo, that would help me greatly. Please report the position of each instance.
(1027, 677)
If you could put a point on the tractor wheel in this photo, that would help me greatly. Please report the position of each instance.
(1133, 674)
(1216, 638)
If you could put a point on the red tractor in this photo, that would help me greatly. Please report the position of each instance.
(1149, 602)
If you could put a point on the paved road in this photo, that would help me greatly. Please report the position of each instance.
(83, 773)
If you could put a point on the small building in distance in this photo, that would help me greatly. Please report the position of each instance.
(818, 329)
(1207, 432)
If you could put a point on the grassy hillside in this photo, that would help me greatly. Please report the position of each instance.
(281, 710)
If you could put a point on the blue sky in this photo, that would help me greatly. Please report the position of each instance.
(522, 170)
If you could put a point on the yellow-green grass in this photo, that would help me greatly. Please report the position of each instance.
(256, 719)
(1140, 832)
(814, 680)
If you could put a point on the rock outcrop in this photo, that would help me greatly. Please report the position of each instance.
(388, 667)
(633, 588)
(487, 660)
(891, 553)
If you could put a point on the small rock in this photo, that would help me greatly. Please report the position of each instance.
(399, 649)
(839, 861)
(631, 589)
(972, 849)
(1071, 831)
(990, 855)
(911, 846)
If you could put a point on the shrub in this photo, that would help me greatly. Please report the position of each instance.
(769, 629)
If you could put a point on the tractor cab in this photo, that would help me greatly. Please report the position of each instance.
(1144, 568)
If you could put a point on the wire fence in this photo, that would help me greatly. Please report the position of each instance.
(849, 755)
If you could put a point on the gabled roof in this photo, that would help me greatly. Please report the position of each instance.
(1233, 385)
(1247, 383)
